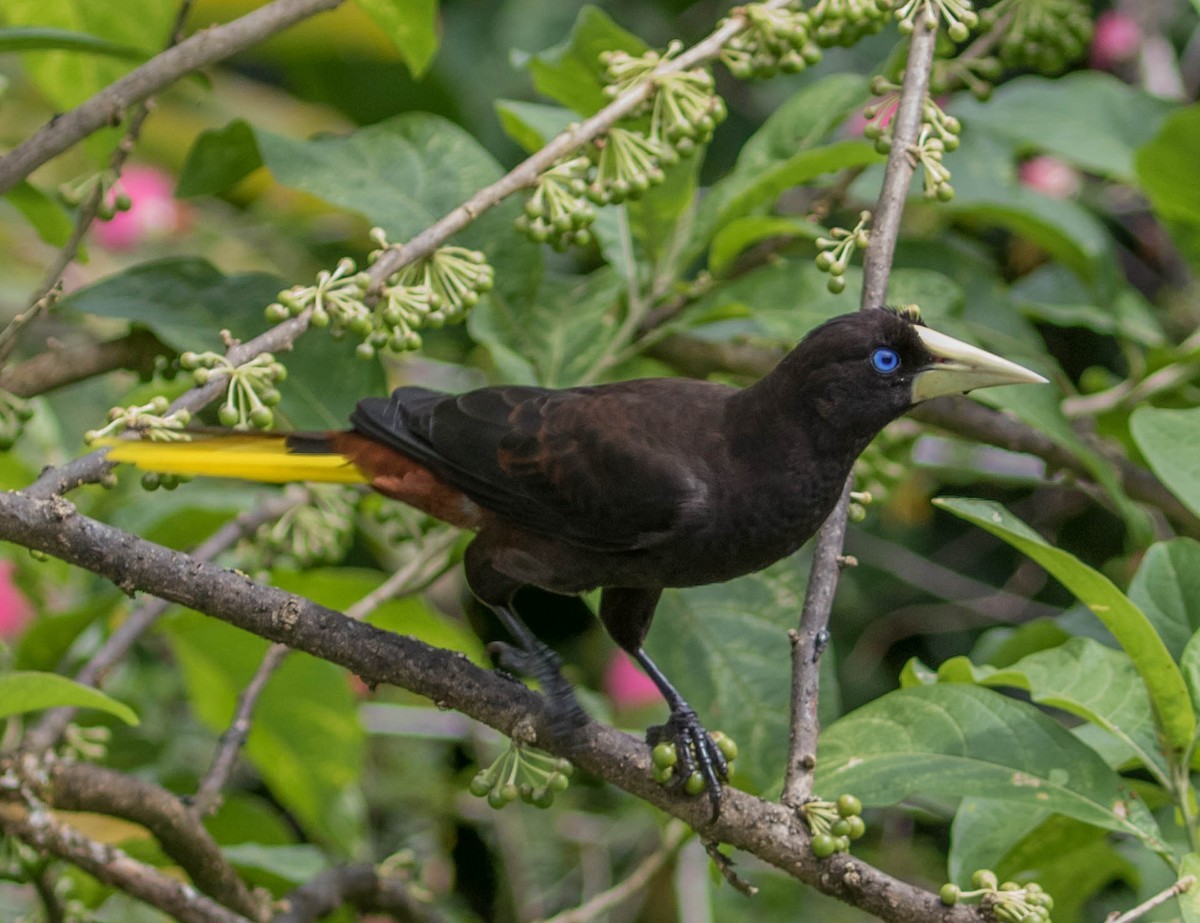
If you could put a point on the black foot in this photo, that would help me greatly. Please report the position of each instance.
(545, 666)
(696, 750)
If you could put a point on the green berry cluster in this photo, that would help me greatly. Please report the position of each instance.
(1043, 35)
(627, 164)
(939, 134)
(665, 757)
(315, 531)
(833, 824)
(844, 22)
(774, 41)
(522, 772)
(151, 419)
(75, 192)
(978, 75)
(336, 300)
(558, 212)
(960, 18)
(838, 248)
(14, 414)
(883, 464)
(251, 392)
(1008, 902)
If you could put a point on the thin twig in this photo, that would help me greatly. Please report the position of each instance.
(674, 837)
(109, 106)
(1184, 884)
(822, 581)
(60, 366)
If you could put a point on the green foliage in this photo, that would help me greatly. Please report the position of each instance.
(26, 691)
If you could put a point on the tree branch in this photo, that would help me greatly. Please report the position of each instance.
(362, 886)
(108, 107)
(449, 679)
(58, 367)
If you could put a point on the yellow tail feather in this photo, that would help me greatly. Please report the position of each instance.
(251, 457)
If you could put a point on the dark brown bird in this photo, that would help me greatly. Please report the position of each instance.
(631, 487)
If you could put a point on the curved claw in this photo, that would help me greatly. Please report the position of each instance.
(697, 751)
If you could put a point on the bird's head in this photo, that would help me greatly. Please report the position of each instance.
(865, 369)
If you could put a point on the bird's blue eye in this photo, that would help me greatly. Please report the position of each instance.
(885, 360)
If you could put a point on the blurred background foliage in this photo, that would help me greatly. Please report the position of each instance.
(1070, 245)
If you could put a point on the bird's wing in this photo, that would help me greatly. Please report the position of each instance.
(593, 466)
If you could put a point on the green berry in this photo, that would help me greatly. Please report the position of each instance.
(949, 894)
(857, 827)
(984, 878)
(836, 284)
(480, 784)
(727, 746)
(840, 828)
(496, 799)
(823, 846)
(662, 774)
(848, 806)
(664, 755)
(695, 784)
(261, 417)
(543, 799)
(228, 415)
(557, 782)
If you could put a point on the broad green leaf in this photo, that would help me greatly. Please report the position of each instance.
(290, 864)
(1166, 168)
(411, 25)
(305, 739)
(1071, 860)
(1035, 113)
(720, 646)
(571, 73)
(1082, 677)
(552, 336)
(35, 39)
(1041, 408)
(1005, 645)
(68, 77)
(1189, 900)
(803, 121)
(184, 300)
(742, 233)
(1189, 663)
(951, 740)
(1053, 294)
(44, 212)
(531, 125)
(25, 691)
(1170, 440)
(1167, 588)
(48, 638)
(1128, 624)
(218, 158)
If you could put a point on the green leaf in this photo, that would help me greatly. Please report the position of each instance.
(531, 125)
(1166, 587)
(1189, 900)
(742, 233)
(1053, 294)
(1082, 677)
(218, 158)
(1170, 440)
(45, 213)
(305, 739)
(1166, 168)
(719, 644)
(571, 73)
(1071, 860)
(1189, 663)
(25, 691)
(951, 740)
(290, 864)
(1035, 113)
(184, 300)
(1128, 624)
(67, 76)
(411, 25)
(32, 38)
(552, 336)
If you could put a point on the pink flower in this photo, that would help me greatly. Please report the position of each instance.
(1116, 39)
(15, 610)
(154, 214)
(626, 685)
(1050, 176)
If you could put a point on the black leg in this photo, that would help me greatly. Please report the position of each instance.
(534, 659)
(695, 747)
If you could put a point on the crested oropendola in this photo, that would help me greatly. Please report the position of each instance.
(629, 487)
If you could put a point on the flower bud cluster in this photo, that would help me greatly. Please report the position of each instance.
(314, 531)
(1006, 902)
(833, 824)
(251, 392)
(844, 22)
(1042, 35)
(558, 212)
(336, 300)
(959, 16)
(75, 192)
(14, 414)
(151, 419)
(665, 757)
(774, 41)
(838, 249)
(522, 772)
